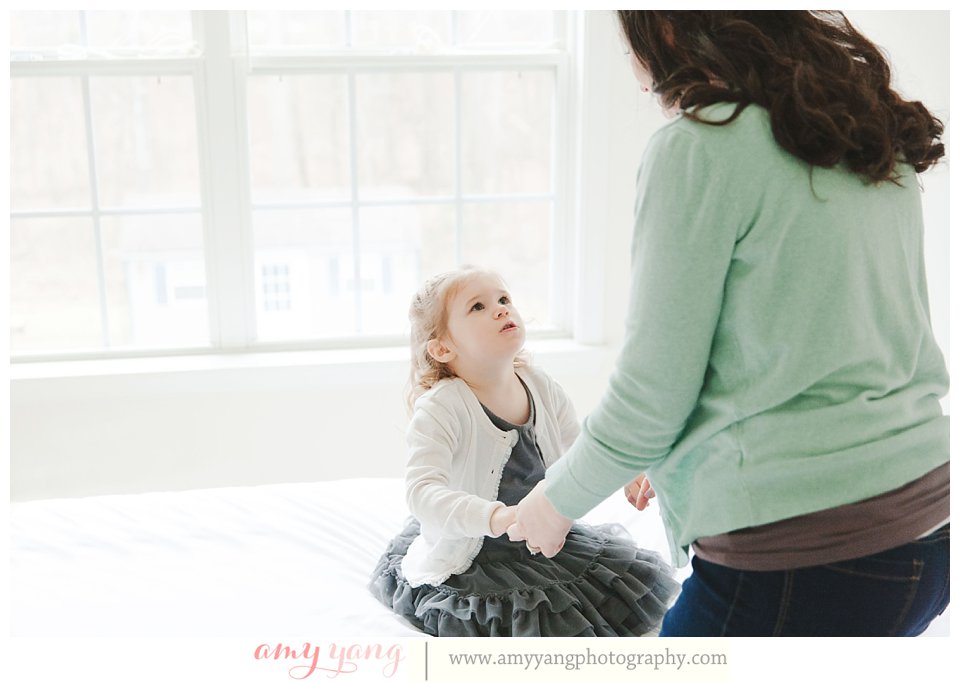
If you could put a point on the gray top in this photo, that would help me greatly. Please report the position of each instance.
(523, 470)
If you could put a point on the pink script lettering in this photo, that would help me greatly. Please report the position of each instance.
(342, 658)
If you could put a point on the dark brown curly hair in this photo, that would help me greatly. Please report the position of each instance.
(826, 86)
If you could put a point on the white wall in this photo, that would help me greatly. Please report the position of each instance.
(240, 420)
(181, 424)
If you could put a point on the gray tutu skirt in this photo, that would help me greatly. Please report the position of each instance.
(599, 585)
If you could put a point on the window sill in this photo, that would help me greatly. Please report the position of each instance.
(227, 372)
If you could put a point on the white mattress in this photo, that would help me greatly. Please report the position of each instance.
(289, 559)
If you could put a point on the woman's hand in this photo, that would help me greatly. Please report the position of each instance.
(639, 493)
(501, 519)
(539, 523)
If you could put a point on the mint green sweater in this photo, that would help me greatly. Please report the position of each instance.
(778, 356)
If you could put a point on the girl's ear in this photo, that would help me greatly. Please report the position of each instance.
(439, 351)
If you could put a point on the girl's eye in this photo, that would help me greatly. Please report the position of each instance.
(504, 300)
(477, 306)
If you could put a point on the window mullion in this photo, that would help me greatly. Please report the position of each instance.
(588, 94)
(94, 192)
(559, 294)
(457, 164)
(221, 110)
(563, 206)
(354, 199)
(95, 209)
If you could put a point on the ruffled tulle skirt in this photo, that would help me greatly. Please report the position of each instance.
(599, 585)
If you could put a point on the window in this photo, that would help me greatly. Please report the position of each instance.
(211, 180)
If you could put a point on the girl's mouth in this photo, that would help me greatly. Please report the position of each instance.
(508, 326)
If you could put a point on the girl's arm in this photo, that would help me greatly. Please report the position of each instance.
(432, 439)
(566, 415)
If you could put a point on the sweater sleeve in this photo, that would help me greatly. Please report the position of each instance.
(684, 235)
(432, 439)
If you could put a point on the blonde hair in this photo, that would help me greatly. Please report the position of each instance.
(428, 320)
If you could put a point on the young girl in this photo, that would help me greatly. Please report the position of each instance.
(485, 427)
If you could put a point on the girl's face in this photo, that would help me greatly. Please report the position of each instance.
(483, 327)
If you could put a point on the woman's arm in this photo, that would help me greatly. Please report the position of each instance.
(687, 225)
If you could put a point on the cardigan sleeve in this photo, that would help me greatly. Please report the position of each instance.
(684, 234)
(566, 415)
(432, 438)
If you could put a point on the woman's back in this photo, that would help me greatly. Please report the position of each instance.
(810, 284)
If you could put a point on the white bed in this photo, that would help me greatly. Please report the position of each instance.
(287, 559)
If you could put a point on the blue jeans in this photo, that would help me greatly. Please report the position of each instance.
(896, 592)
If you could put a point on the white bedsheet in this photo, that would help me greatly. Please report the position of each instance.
(289, 559)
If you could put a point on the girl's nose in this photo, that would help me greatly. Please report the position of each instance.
(501, 311)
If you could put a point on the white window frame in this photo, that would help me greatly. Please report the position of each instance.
(219, 75)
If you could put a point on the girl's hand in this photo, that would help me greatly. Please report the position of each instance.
(539, 523)
(639, 493)
(501, 519)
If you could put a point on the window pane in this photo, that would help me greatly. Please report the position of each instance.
(149, 31)
(304, 274)
(420, 30)
(513, 239)
(507, 131)
(155, 280)
(400, 247)
(54, 295)
(299, 138)
(499, 28)
(99, 34)
(318, 30)
(405, 134)
(145, 133)
(44, 29)
(48, 149)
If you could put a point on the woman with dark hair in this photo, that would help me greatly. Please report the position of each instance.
(779, 383)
